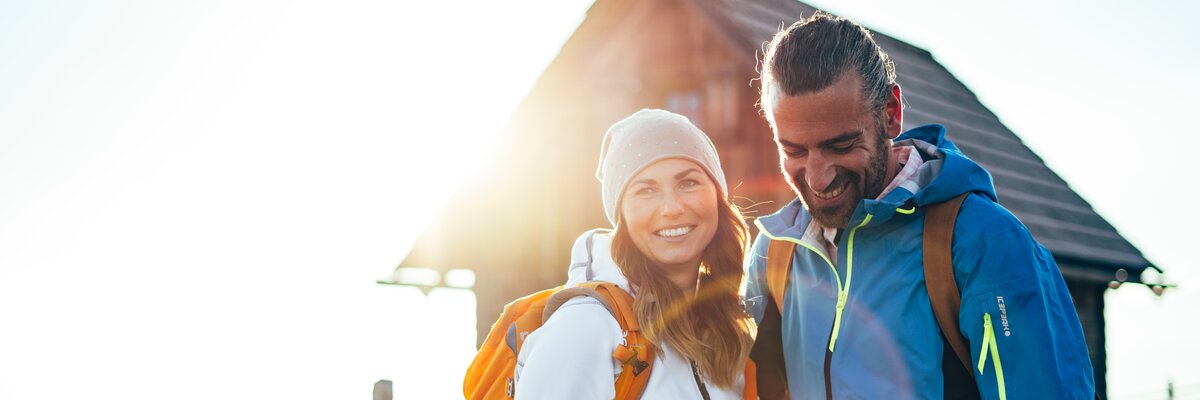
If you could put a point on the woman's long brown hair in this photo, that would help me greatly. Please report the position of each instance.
(709, 327)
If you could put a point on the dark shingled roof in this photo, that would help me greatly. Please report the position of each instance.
(1058, 217)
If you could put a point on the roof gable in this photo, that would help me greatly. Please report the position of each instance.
(1056, 215)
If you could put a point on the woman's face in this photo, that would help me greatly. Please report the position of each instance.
(670, 212)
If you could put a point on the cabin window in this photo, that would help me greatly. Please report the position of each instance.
(687, 104)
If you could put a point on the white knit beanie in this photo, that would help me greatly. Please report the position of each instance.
(644, 138)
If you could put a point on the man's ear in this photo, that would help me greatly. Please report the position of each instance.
(893, 113)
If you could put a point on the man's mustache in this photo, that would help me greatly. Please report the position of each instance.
(843, 178)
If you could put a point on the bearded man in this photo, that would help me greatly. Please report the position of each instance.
(856, 317)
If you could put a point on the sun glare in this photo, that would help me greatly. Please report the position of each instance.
(199, 198)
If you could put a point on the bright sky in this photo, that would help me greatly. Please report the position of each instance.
(198, 196)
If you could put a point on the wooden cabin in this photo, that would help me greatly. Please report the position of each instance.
(515, 222)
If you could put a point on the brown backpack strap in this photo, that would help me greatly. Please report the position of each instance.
(939, 282)
(779, 264)
(770, 372)
(939, 274)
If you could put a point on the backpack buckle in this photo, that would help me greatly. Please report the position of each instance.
(631, 356)
(640, 366)
(639, 359)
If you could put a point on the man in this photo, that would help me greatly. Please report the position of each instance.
(857, 321)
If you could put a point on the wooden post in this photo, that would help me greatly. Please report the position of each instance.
(383, 390)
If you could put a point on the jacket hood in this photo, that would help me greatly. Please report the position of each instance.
(946, 173)
(956, 174)
(591, 260)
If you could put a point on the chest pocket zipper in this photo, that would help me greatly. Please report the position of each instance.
(989, 345)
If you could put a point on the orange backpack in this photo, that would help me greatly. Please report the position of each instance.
(490, 375)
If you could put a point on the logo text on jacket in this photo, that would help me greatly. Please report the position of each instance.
(1003, 315)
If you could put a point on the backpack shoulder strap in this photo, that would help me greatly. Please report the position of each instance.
(562, 296)
(939, 279)
(750, 381)
(939, 273)
(769, 371)
(636, 354)
(779, 264)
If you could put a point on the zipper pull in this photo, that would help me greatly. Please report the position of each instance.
(990, 344)
(987, 340)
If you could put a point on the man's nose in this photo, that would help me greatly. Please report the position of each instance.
(819, 173)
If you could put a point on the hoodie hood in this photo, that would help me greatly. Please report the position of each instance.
(945, 174)
(591, 260)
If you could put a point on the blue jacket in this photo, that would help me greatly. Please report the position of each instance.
(887, 343)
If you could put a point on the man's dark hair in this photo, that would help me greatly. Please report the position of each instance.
(812, 53)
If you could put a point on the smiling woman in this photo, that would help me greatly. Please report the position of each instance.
(677, 250)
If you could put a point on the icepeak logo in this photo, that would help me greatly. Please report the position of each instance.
(1003, 315)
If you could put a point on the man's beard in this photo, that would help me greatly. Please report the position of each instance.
(838, 215)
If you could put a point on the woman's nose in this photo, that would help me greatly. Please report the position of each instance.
(671, 205)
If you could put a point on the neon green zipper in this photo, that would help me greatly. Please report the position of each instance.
(843, 290)
(989, 343)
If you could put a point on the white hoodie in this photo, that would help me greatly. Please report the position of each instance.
(570, 356)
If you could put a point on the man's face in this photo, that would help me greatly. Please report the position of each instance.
(832, 150)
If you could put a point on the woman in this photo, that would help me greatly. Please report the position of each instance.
(677, 248)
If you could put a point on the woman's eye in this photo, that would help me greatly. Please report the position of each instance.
(688, 183)
(644, 191)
